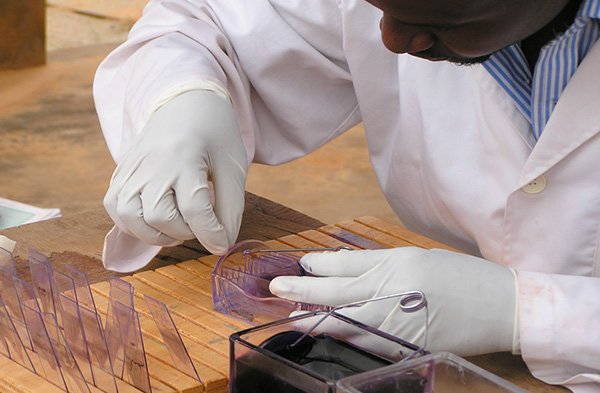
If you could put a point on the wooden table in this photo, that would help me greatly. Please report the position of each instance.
(77, 240)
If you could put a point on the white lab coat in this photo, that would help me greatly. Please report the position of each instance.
(451, 151)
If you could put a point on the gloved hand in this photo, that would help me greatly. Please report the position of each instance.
(471, 301)
(160, 193)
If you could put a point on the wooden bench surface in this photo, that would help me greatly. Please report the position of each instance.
(185, 287)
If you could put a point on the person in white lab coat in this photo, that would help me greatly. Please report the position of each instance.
(499, 159)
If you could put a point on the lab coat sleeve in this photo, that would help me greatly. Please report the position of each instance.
(281, 62)
(559, 319)
(161, 59)
(282, 66)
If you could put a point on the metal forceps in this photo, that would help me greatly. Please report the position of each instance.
(409, 302)
(248, 252)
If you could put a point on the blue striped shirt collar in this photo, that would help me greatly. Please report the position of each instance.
(536, 95)
(590, 9)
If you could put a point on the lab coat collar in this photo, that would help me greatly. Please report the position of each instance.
(576, 118)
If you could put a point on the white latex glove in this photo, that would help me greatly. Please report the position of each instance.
(160, 193)
(471, 301)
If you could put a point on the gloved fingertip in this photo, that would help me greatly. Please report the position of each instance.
(280, 286)
(216, 242)
(312, 261)
(231, 238)
(306, 261)
(218, 250)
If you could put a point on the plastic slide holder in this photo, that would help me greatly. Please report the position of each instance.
(42, 346)
(12, 347)
(117, 323)
(100, 361)
(124, 336)
(240, 283)
(41, 277)
(26, 297)
(49, 283)
(171, 338)
(434, 373)
(75, 336)
(72, 375)
(135, 365)
(289, 356)
(94, 352)
(7, 262)
(10, 298)
(82, 287)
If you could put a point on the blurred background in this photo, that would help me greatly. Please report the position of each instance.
(53, 155)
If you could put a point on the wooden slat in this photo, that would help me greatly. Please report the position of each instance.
(20, 379)
(278, 244)
(401, 233)
(6, 387)
(103, 378)
(295, 241)
(209, 261)
(22, 376)
(16, 378)
(323, 239)
(186, 289)
(202, 304)
(159, 369)
(196, 268)
(192, 281)
(350, 237)
(373, 234)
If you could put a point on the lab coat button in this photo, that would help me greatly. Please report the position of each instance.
(535, 186)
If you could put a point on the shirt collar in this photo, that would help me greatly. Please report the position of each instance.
(589, 9)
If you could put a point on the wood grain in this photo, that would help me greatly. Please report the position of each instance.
(77, 239)
(185, 287)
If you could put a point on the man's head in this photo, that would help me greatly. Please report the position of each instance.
(461, 31)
